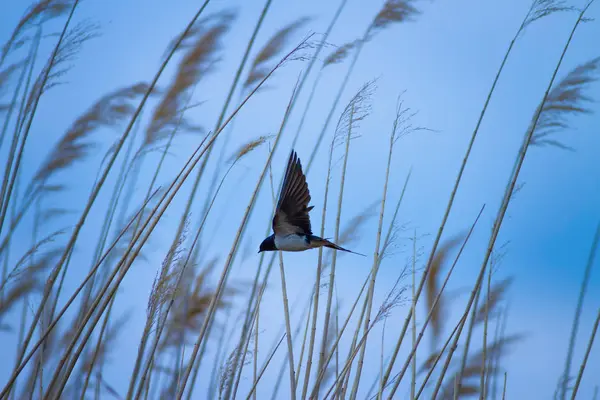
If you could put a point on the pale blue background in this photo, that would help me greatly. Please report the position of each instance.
(446, 61)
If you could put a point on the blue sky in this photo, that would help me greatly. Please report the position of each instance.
(446, 61)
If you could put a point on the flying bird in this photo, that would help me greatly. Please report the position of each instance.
(291, 223)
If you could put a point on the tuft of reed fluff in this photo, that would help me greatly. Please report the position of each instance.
(393, 12)
(567, 98)
(38, 12)
(249, 147)
(357, 109)
(260, 68)
(543, 8)
(199, 60)
(58, 66)
(7, 73)
(340, 54)
(108, 111)
(431, 285)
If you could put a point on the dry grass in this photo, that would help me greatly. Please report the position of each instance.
(198, 315)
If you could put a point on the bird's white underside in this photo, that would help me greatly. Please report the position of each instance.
(292, 242)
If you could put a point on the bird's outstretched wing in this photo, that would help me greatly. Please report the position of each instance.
(291, 215)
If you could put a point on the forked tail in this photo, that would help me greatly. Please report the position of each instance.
(331, 245)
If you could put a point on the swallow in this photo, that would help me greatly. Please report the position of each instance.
(291, 222)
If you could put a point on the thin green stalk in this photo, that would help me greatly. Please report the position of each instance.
(96, 351)
(288, 329)
(146, 334)
(467, 345)
(220, 355)
(413, 380)
(511, 186)
(218, 124)
(42, 82)
(27, 66)
(100, 183)
(335, 344)
(482, 384)
(336, 239)
(309, 68)
(345, 381)
(585, 358)
(456, 184)
(282, 369)
(246, 330)
(439, 356)
(225, 273)
(255, 358)
(32, 108)
(220, 119)
(386, 243)
(161, 326)
(433, 307)
(22, 115)
(19, 367)
(109, 218)
(578, 308)
(313, 331)
(264, 368)
(304, 337)
(376, 255)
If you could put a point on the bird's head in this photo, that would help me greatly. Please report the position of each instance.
(268, 244)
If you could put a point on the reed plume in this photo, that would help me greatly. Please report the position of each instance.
(39, 12)
(275, 45)
(202, 54)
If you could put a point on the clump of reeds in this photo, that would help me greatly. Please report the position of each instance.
(61, 352)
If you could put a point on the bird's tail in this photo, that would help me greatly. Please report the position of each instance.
(331, 245)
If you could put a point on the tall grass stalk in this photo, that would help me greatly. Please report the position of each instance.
(334, 346)
(229, 260)
(433, 308)
(221, 118)
(396, 132)
(104, 176)
(24, 112)
(320, 46)
(6, 192)
(385, 248)
(288, 329)
(146, 333)
(530, 17)
(178, 182)
(108, 220)
(336, 236)
(305, 315)
(578, 308)
(438, 357)
(585, 357)
(249, 147)
(284, 291)
(253, 317)
(511, 186)
(405, 11)
(25, 359)
(467, 344)
(25, 67)
(264, 368)
(413, 379)
(31, 108)
(304, 337)
(484, 369)
(313, 331)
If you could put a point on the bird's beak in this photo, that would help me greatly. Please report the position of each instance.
(259, 250)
